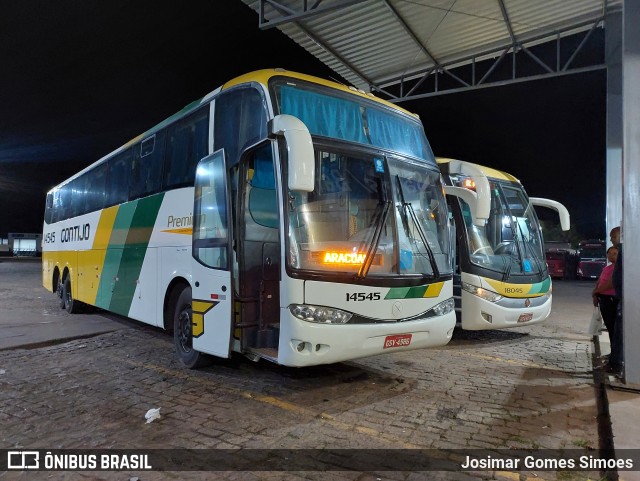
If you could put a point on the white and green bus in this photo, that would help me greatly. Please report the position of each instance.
(282, 216)
(501, 278)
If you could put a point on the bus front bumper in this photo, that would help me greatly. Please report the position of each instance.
(306, 343)
(480, 314)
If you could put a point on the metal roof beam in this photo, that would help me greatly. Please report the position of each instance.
(507, 22)
(424, 77)
(289, 15)
(536, 59)
(584, 40)
(410, 32)
(395, 99)
(435, 89)
(495, 65)
(470, 59)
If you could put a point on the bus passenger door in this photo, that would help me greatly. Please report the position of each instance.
(259, 253)
(211, 275)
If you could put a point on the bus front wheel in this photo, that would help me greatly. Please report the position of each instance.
(182, 331)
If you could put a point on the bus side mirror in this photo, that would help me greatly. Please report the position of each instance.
(479, 209)
(301, 158)
(552, 204)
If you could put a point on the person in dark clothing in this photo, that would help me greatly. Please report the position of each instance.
(616, 361)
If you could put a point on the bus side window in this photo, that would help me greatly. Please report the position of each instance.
(187, 144)
(48, 212)
(65, 201)
(146, 168)
(56, 206)
(95, 193)
(78, 189)
(118, 178)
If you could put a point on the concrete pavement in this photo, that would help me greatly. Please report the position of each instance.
(29, 316)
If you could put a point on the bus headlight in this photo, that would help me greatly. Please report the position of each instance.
(445, 307)
(320, 314)
(480, 292)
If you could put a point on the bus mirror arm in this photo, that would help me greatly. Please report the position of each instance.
(565, 223)
(300, 154)
(482, 188)
(470, 197)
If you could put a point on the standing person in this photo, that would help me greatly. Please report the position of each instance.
(616, 361)
(604, 295)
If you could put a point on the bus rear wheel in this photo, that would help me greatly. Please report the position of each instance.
(60, 293)
(182, 331)
(70, 304)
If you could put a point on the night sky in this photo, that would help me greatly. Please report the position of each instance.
(79, 79)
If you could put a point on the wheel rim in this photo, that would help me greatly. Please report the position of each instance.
(184, 331)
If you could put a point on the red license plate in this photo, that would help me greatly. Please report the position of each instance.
(525, 317)
(400, 340)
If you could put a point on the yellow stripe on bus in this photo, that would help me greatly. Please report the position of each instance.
(517, 290)
(183, 230)
(433, 290)
(105, 226)
(91, 262)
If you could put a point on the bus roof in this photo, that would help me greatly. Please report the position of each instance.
(488, 171)
(259, 76)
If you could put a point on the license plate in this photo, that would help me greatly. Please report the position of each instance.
(400, 340)
(525, 317)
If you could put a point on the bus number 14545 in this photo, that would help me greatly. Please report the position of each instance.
(363, 296)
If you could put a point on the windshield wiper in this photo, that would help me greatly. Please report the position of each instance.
(515, 238)
(380, 222)
(412, 213)
(527, 245)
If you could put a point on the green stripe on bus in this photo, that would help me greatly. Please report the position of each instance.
(540, 287)
(134, 251)
(113, 257)
(406, 292)
(430, 290)
(397, 293)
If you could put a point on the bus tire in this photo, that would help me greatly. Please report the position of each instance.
(70, 304)
(182, 331)
(60, 293)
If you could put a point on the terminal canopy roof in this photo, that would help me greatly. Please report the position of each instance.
(409, 49)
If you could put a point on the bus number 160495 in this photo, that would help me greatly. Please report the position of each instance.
(363, 296)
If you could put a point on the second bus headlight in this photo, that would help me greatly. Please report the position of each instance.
(480, 292)
(320, 314)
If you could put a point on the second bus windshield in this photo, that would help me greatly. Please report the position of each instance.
(509, 242)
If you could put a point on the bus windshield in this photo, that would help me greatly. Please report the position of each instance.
(370, 216)
(509, 242)
(329, 113)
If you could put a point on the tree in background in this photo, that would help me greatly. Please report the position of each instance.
(552, 232)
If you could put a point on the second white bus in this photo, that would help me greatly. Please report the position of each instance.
(502, 279)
